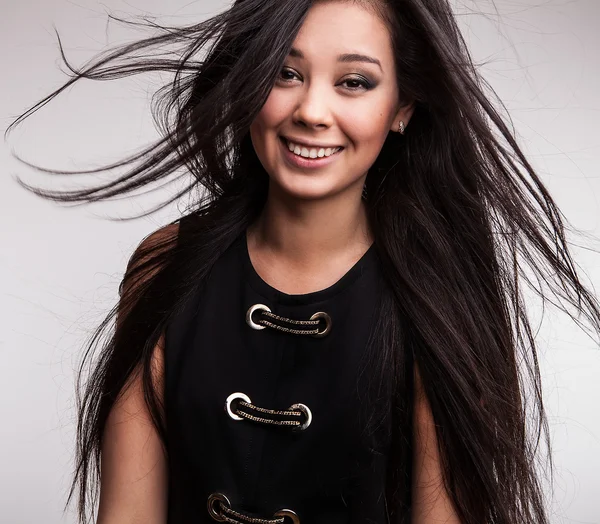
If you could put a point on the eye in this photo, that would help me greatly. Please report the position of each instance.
(364, 83)
(284, 71)
(353, 84)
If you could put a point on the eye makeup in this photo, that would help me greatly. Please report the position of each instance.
(362, 80)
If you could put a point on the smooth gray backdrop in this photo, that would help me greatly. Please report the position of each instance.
(60, 267)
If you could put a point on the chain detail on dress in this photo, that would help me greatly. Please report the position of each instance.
(219, 508)
(239, 406)
(290, 320)
(234, 517)
(266, 317)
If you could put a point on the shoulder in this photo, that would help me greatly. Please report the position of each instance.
(162, 239)
(148, 257)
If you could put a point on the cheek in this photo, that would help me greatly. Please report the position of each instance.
(274, 111)
(367, 128)
(268, 120)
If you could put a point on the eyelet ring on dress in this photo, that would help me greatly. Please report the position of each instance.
(327, 318)
(289, 514)
(212, 500)
(307, 414)
(249, 313)
(230, 399)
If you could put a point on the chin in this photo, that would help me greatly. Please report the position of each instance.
(306, 190)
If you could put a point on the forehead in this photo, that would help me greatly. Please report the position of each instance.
(338, 26)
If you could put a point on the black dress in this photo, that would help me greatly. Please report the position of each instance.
(264, 420)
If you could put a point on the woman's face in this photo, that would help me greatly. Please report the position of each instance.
(323, 100)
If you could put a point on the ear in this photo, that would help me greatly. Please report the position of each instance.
(404, 113)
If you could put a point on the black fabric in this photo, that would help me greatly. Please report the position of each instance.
(333, 471)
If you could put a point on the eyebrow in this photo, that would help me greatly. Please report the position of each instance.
(346, 57)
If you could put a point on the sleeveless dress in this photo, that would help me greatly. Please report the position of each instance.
(266, 425)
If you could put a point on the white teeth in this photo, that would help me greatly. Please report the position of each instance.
(312, 152)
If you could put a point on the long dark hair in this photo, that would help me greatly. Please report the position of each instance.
(460, 220)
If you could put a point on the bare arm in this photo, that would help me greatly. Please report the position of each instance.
(134, 475)
(431, 502)
(133, 486)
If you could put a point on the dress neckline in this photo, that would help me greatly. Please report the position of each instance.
(275, 295)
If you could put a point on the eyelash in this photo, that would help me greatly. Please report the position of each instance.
(366, 85)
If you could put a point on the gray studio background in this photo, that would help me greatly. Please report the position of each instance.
(60, 267)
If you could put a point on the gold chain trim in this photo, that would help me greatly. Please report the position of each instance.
(291, 320)
(266, 314)
(268, 420)
(246, 519)
(286, 412)
(289, 330)
(219, 508)
(254, 418)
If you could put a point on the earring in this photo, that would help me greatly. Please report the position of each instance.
(401, 127)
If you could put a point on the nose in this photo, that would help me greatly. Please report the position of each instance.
(313, 108)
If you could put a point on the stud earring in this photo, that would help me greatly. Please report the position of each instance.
(401, 127)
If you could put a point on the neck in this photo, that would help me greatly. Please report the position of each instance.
(306, 231)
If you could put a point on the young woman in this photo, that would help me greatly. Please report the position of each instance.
(335, 332)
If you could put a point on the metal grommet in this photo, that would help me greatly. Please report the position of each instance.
(289, 514)
(230, 399)
(251, 310)
(307, 414)
(212, 500)
(327, 318)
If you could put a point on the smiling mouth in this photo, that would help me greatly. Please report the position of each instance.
(310, 153)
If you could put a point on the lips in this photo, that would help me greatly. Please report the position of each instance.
(285, 142)
(298, 161)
